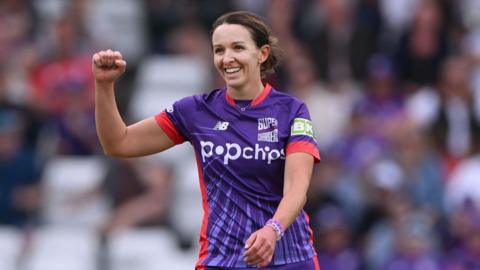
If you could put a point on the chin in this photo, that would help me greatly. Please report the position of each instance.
(234, 83)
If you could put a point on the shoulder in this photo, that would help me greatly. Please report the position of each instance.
(212, 96)
(197, 100)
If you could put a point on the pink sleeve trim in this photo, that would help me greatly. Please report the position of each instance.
(169, 128)
(304, 147)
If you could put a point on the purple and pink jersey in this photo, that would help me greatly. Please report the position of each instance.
(240, 152)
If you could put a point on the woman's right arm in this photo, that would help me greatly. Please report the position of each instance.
(118, 140)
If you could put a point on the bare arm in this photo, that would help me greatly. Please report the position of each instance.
(298, 171)
(142, 138)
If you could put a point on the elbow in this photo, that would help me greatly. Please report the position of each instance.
(111, 152)
(119, 152)
(113, 148)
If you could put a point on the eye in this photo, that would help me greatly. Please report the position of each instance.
(218, 50)
(238, 47)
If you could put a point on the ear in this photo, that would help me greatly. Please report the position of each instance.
(264, 53)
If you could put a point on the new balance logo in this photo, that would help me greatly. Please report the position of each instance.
(221, 125)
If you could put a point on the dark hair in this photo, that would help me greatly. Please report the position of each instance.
(260, 32)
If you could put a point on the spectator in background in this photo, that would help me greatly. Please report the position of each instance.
(382, 187)
(63, 90)
(190, 40)
(383, 106)
(18, 25)
(359, 146)
(472, 51)
(32, 119)
(422, 48)
(414, 245)
(20, 168)
(379, 239)
(471, 44)
(455, 127)
(326, 27)
(163, 16)
(340, 34)
(464, 253)
(397, 16)
(422, 168)
(368, 29)
(19, 173)
(140, 192)
(330, 104)
(462, 183)
(335, 250)
(448, 112)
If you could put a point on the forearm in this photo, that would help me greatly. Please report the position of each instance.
(298, 171)
(110, 127)
(290, 206)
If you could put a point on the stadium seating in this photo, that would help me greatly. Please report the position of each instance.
(141, 249)
(62, 248)
(11, 243)
(65, 180)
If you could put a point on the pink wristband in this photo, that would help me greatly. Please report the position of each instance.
(277, 227)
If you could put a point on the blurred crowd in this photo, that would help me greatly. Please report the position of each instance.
(393, 89)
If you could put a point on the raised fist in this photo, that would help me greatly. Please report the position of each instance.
(108, 66)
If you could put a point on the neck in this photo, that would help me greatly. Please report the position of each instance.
(247, 92)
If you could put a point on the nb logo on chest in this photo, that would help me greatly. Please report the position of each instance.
(221, 125)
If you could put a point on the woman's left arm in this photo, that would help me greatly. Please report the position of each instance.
(298, 171)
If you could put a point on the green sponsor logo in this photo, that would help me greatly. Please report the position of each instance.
(302, 126)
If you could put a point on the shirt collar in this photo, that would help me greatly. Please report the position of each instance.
(266, 90)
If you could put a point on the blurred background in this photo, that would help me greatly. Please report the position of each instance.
(393, 89)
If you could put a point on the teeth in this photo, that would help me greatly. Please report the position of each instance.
(232, 70)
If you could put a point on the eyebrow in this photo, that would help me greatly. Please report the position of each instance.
(233, 43)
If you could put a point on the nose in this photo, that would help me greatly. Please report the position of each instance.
(228, 57)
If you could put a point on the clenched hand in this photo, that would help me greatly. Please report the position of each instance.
(108, 66)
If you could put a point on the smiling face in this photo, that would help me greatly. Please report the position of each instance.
(237, 58)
